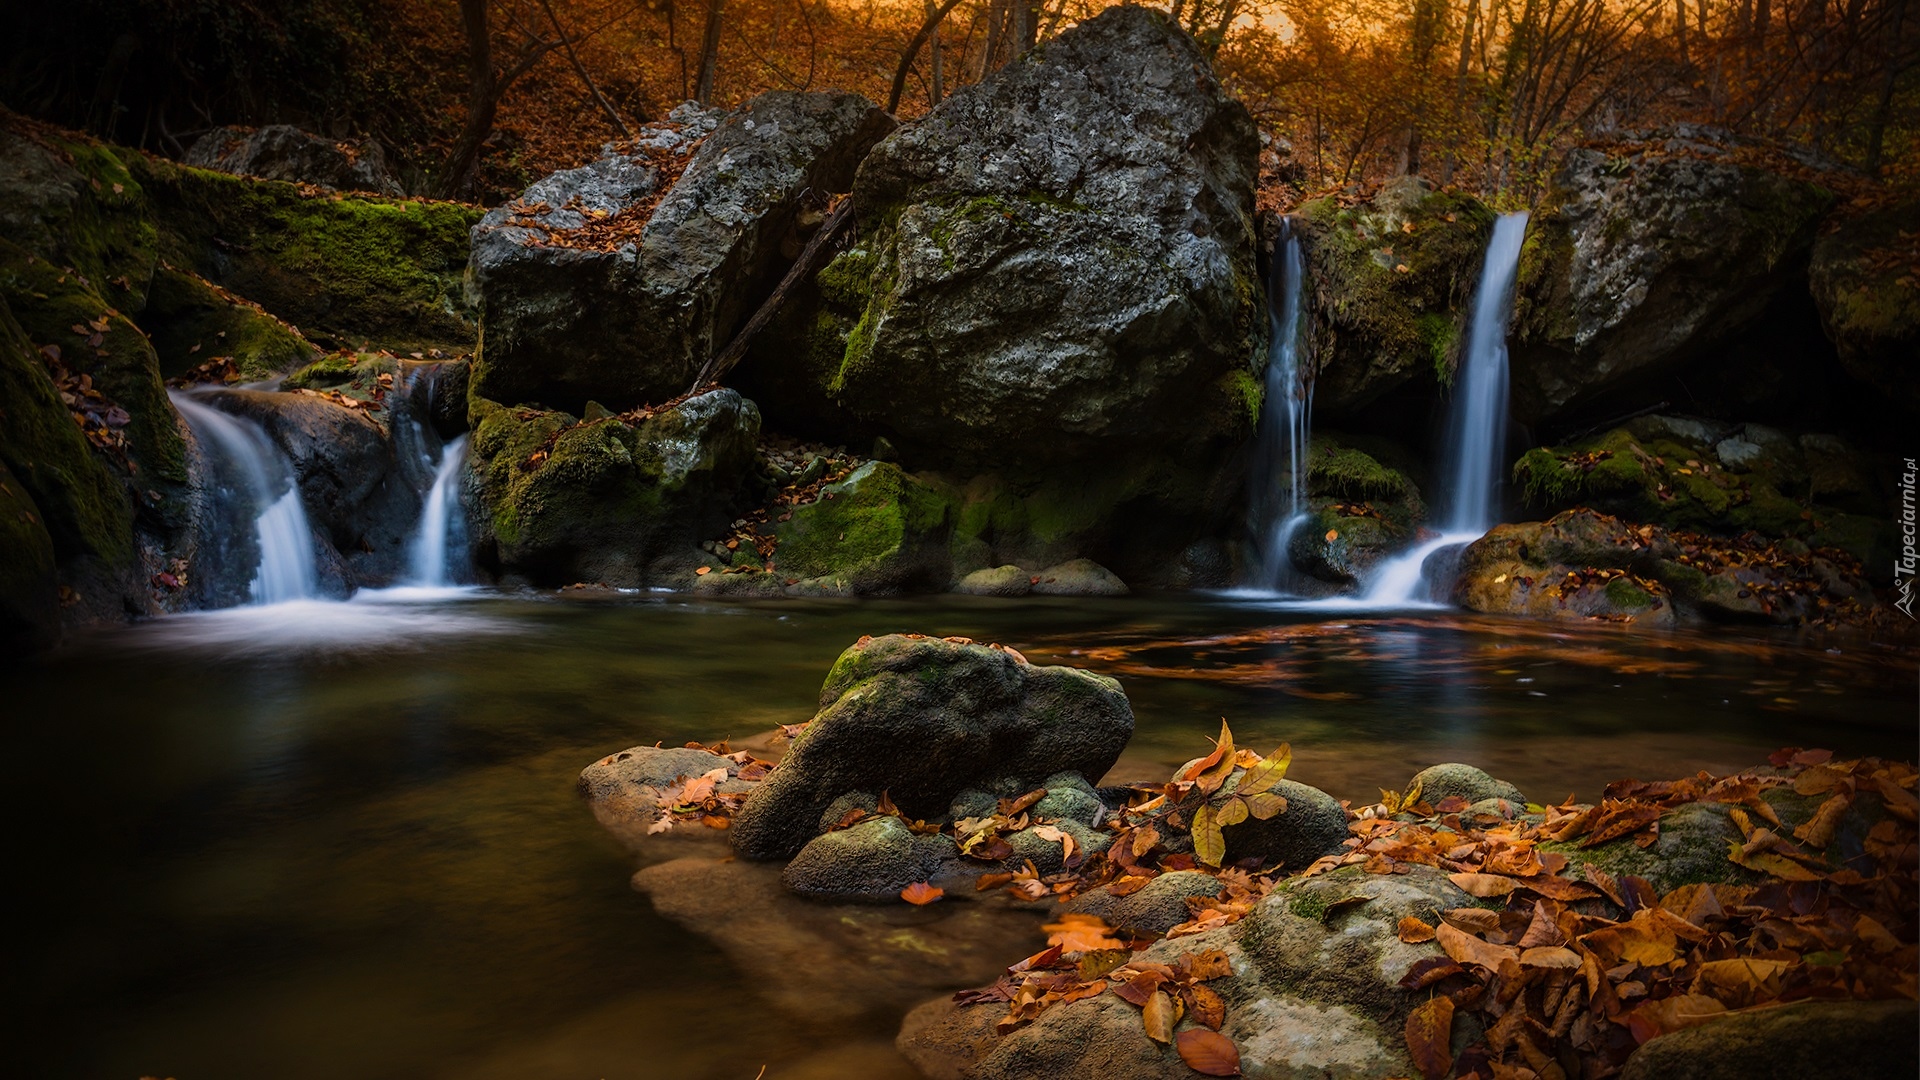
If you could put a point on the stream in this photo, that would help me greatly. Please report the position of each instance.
(342, 839)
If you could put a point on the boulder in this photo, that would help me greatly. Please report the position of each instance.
(284, 152)
(879, 531)
(1862, 277)
(1079, 577)
(1392, 280)
(624, 790)
(350, 481)
(1579, 565)
(1159, 905)
(29, 587)
(192, 321)
(1692, 847)
(1643, 256)
(565, 500)
(1313, 994)
(924, 719)
(1807, 1038)
(1360, 510)
(595, 285)
(1437, 782)
(872, 862)
(1313, 824)
(1050, 280)
(1006, 580)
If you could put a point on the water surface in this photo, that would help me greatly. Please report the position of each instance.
(325, 840)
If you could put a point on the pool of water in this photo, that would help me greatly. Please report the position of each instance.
(326, 840)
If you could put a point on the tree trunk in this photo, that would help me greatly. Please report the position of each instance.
(709, 53)
(613, 114)
(938, 89)
(483, 101)
(927, 28)
(1680, 28)
(1877, 124)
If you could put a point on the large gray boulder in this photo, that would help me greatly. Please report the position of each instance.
(564, 499)
(594, 285)
(1054, 264)
(1641, 258)
(284, 152)
(923, 719)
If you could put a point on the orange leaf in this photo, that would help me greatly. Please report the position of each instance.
(1081, 933)
(1672, 1014)
(1484, 886)
(1413, 931)
(1467, 949)
(1208, 1053)
(1204, 1005)
(921, 893)
(1430, 1037)
(1550, 956)
(1159, 1015)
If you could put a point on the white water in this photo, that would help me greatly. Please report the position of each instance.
(1285, 419)
(286, 568)
(427, 554)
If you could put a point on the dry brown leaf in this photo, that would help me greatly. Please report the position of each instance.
(1429, 1037)
(1413, 931)
(1208, 1053)
(1159, 1015)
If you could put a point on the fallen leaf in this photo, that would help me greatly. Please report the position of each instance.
(1656, 1018)
(1159, 1015)
(1467, 949)
(1208, 1053)
(1550, 956)
(1430, 1037)
(1076, 933)
(1413, 931)
(1204, 1006)
(920, 893)
(1484, 886)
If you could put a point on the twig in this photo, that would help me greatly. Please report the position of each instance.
(802, 266)
(580, 69)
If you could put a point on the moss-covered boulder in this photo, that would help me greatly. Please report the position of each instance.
(1050, 275)
(879, 531)
(565, 500)
(191, 321)
(1360, 511)
(1391, 281)
(1806, 1038)
(1644, 255)
(595, 285)
(1717, 479)
(1579, 565)
(1865, 277)
(926, 718)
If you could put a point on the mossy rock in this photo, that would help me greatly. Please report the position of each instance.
(74, 202)
(1692, 849)
(1580, 565)
(1863, 282)
(1375, 326)
(345, 269)
(29, 589)
(879, 531)
(333, 369)
(567, 501)
(190, 321)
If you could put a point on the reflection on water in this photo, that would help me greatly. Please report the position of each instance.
(342, 839)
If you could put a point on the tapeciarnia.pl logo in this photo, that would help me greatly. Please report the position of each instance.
(1903, 566)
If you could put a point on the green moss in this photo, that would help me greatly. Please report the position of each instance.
(848, 279)
(1310, 905)
(879, 523)
(191, 321)
(1339, 470)
(1440, 333)
(330, 370)
(1624, 593)
(1240, 386)
(346, 267)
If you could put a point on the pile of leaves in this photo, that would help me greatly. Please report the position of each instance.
(220, 371)
(1779, 578)
(101, 420)
(605, 231)
(693, 800)
(1577, 968)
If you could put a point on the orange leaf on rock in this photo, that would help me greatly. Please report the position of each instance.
(1550, 956)
(1413, 931)
(1467, 949)
(1159, 1015)
(1081, 933)
(1208, 1053)
(1205, 1006)
(1656, 1018)
(921, 893)
(1430, 1037)
(1484, 886)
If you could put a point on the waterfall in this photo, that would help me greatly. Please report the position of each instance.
(1285, 416)
(266, 483)
(439, 519)
(1476, 431)
(1477, 421)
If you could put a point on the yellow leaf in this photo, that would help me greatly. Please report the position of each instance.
(1208, 845)
(1160, 1013)
(1271, 770)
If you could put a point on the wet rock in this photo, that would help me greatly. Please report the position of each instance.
(925, 719)
(1394, 279)
(284, 152)
(1000, 581)
(565, 501)
(349, 479)
(1808, 1038)
(624, 791)
(1692, 847)
(1079, 577)
(1159, 906)
(1069, 797)
(872, 862)
(1641, 257)
(1360, 512)
(880, 531)
(190, 321)
(1872, 317)
(1313, 993)
(1048, 853)
(1312, 825)
(1439, 782)
(1579, 565)
(631, 318)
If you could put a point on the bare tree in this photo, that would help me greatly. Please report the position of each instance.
(709, 53)
(912, 51)
(486, 85)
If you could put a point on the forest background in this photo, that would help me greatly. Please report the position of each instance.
(474, 99)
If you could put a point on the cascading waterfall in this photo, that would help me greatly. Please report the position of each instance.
(427, 562)
(1285, 418)
(265, 480)
(1476, 423)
